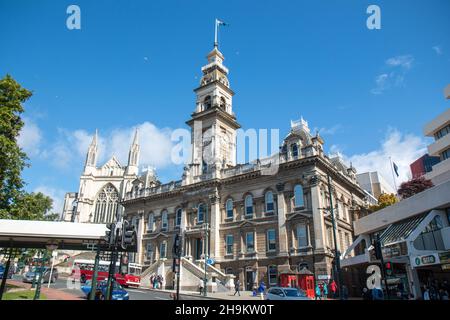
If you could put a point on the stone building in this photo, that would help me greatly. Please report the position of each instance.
(102, 188)
(261, 218)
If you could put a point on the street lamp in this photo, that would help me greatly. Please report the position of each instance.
(52, 248)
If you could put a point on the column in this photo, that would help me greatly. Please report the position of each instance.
(319, 224)
(282, 233)
(140, 233)
(215, 225)
(414, 282)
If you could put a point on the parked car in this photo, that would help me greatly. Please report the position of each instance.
(281, 293)
(10, 272)
(119, 293)
(29, 276)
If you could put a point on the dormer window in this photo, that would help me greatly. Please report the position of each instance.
(294, 149)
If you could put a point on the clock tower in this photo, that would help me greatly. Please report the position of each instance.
(213, 123)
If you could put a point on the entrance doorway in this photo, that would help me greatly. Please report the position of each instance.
(198, 248)
(250, 276)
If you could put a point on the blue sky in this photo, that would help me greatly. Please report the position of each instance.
(135, 63)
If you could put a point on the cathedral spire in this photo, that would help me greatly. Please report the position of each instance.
(91, 158)
(133, 155)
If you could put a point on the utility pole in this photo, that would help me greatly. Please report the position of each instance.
(205, 280)
(94, 276)
(336, 251)
(40, 280)
(6, 272)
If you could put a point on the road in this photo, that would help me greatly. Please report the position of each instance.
(135, 293)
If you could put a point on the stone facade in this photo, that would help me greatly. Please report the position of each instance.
(260, 218)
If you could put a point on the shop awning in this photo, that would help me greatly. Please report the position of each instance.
(399, 231)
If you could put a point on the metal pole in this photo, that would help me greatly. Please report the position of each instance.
(383, 270)
(40, 279)
(94, 276)
(112, 267)
(5, 273)
(336, 251)
(393, 176)
(51, 269)
(215, 34)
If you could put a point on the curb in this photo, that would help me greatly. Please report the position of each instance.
(181, 293)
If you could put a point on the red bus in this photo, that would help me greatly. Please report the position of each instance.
(83, 270)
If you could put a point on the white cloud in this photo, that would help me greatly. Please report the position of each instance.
(405, 61)
(30, 137)
(395, 77)
(402, 148)
(155, 145)
(438, 50)
(57, 196)
(328, 131)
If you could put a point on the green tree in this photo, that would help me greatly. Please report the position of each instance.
(12, 158)
(384, 200)
(15, 203)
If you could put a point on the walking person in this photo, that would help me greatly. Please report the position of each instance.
(237, 286)
(318, 292)
(333, 288)
(261, 289)
(201, 286)
(325, 291)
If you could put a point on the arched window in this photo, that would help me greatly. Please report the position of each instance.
(229, 208)
(164, 220)
(299, 202)
(201, 213)
(106, 205)
(249, 205)
(294, 149)
(269, 201)
(178, 217)
(151, 222)
(207, 102)
(223, 103)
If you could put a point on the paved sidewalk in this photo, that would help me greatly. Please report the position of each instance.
(50, 293)
(245, 295)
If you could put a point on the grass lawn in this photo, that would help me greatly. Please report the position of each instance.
(21, 295)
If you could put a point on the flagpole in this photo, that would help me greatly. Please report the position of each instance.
(215, 35)
(393, 175)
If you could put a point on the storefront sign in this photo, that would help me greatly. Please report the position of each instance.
(323, 277)
(419, 261)
(446, 267)
(444, 257)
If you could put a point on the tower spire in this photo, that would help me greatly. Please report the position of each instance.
(91, 157)
(133, 155)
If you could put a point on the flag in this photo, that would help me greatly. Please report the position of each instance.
(221, 23)
(395, 168)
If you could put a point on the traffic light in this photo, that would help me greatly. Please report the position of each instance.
(110, 233)
(378, 251)
(128, 236)
(388, 268)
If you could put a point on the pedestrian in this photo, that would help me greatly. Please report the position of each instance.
(237, 286)
(426, 293)
(344, 292)
(318, 292)
(333, 288)
(377, 294)
(325, 290)
(261, 289)
(201, 286)
(367, 295)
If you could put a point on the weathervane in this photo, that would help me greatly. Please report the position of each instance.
(216, 30)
